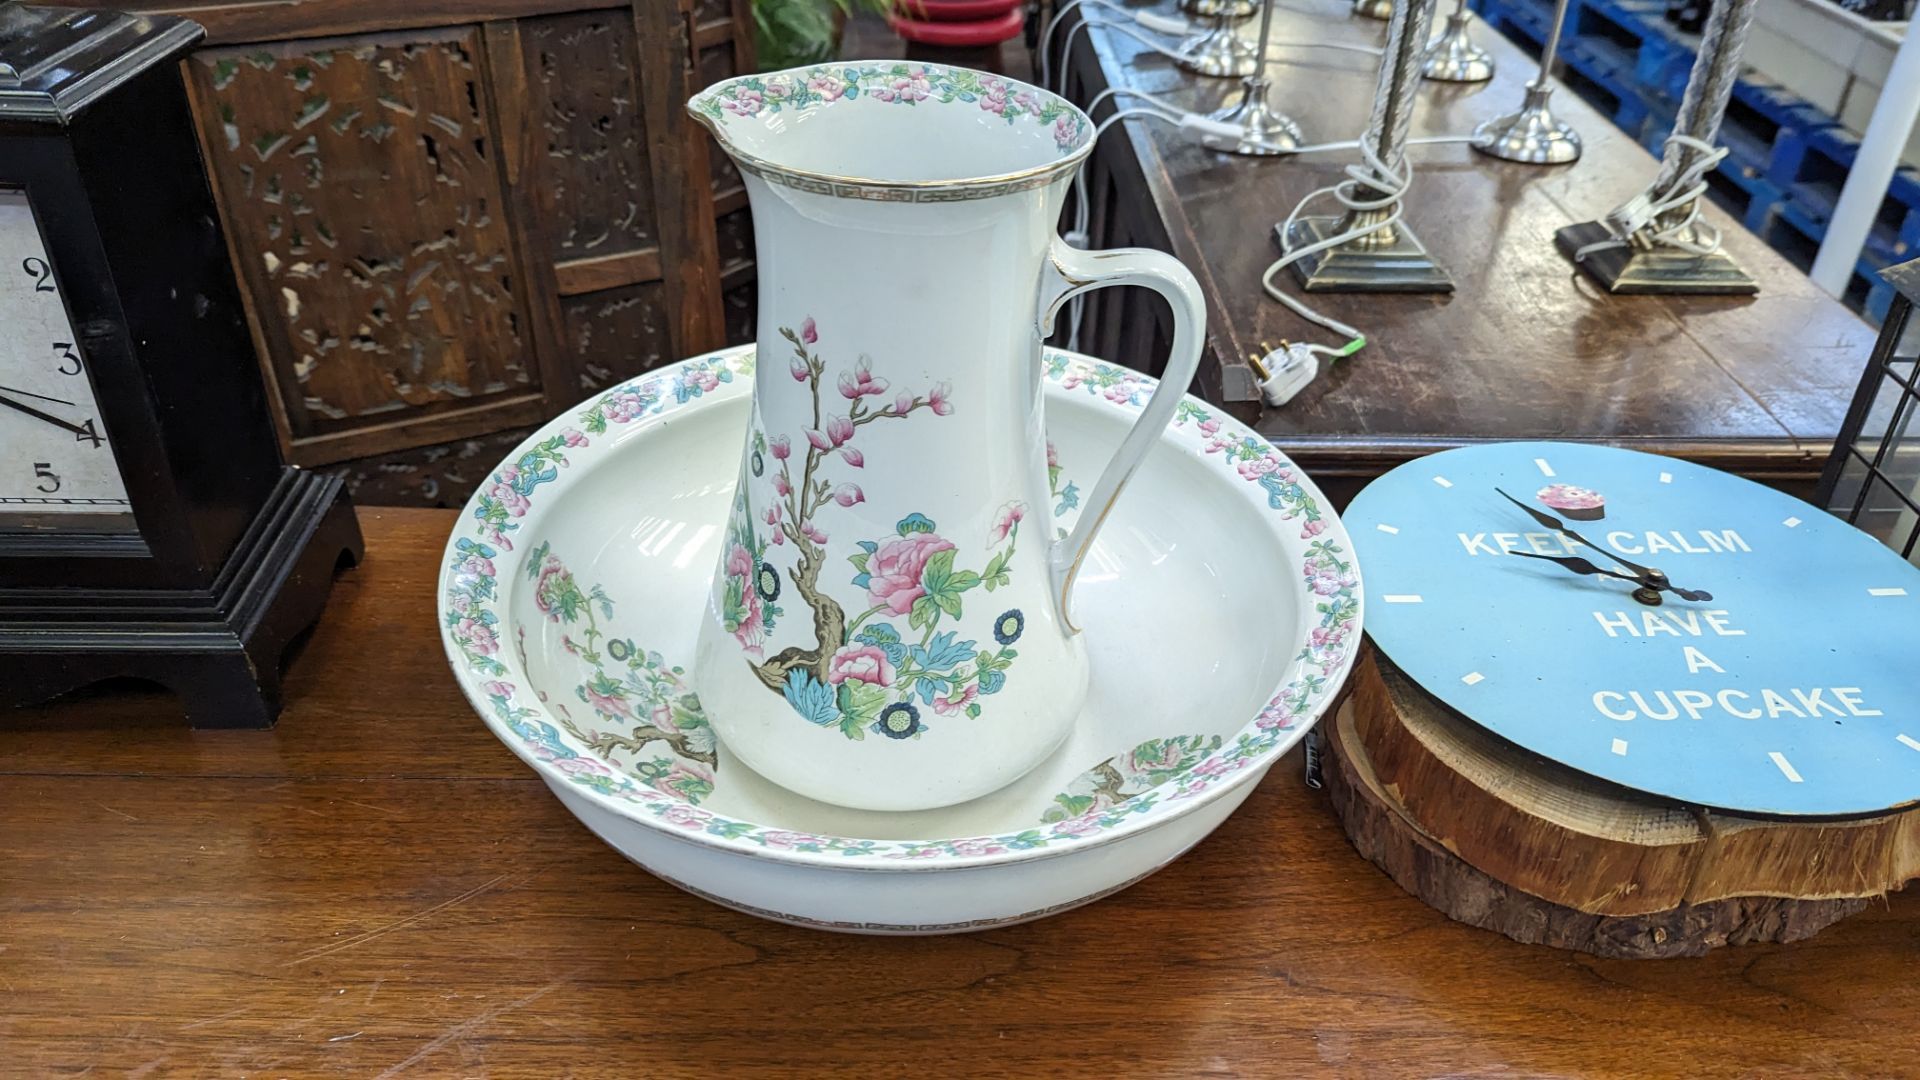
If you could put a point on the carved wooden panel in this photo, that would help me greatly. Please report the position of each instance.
(442, 475)
(716, 64)
(617, 334)
(360, 188)
(590, 172)
(708, 11)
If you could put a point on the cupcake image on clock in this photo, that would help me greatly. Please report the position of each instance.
(1578, 503)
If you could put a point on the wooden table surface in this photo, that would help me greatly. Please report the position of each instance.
(377, 887)
(1525, 347)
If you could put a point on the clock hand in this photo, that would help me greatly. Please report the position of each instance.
(1648, 576)
(38, 415)
(42, 397)
(1578, 565)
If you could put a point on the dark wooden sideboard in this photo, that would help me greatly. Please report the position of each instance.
(453, 219)
(1524, 348)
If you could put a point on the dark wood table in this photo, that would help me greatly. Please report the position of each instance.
(377, 887)
(1524, 348)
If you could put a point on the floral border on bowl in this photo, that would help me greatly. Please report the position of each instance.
(470, 591)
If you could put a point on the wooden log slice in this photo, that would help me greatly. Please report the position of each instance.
(1503, 839)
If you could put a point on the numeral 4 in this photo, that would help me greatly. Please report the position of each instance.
(87, 434)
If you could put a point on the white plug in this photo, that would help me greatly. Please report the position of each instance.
(1162, 24)
(1285, 372)
(1209, 126)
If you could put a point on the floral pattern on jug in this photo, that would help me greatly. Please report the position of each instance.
(865, 675)
(668, 789)
(908, 84)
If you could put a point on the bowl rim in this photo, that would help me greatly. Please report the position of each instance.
(1307, 689)
(708, 107)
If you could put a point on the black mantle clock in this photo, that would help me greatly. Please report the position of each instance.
(148, 525)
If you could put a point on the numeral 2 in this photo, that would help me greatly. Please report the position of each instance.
(69, 360)
(49, 480)
(40, 272)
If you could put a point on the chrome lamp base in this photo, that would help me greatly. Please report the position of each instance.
(1268, 130)
(1532, 136)
(1453, 56)
(1219, 51)
(1391, 260)
(1632, 269)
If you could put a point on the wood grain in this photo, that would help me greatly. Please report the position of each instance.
(1596, 847)
(377, 887)
(1525, 347)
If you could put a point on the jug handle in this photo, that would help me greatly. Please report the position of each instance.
(1069, 273)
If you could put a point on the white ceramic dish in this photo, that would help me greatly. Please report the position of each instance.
(1222, 604)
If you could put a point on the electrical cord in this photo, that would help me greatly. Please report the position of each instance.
(1635, 220)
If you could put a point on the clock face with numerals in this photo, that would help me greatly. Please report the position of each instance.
(57, 466)
(1789, 685)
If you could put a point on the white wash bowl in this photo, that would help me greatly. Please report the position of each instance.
(1222, 606)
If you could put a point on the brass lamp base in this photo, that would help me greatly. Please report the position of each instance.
(1398, 263)
(1630, 270)
(1373, 9)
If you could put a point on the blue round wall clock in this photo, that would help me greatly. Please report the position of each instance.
(1654, 623)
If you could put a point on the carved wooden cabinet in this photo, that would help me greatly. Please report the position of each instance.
(453, 219)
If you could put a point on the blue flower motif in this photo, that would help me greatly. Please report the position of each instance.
(898, 721)
(1009, 626)
(942, 652)
(811, 698)
(887, 639)
(914, 523)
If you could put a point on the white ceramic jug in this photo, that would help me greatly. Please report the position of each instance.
(890, 625)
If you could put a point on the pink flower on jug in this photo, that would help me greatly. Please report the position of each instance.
(773, 516)
(849, 494)
(894, 571)
(1010, 515)
(809, 333)
(860, 381)
(940, 398)
(913, 86)
(830, 87)
(685, 816)
(496, 688)
(947, 705)
(807, 530)
(902, 405)
(778, 87)
(801, 372)
(853, 457)
(662, 718)
(1065, 131)
(739, 562)
(746, 101)
(1150, 757)
(860, 663)
(781, 446)
(572, 437)
(1053, 456)
(819, 439)
(751, 630)
(781, 485)
(478, 636)
(1209, 426)
(839, 429)
(1026, 100)
(1312, 529)
(606, 703)
(994, 96)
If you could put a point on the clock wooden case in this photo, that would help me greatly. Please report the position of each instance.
(209, 554)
